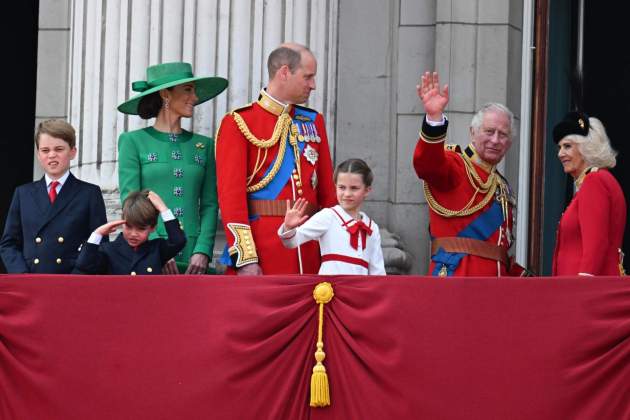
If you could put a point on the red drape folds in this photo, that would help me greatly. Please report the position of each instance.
(202, 347)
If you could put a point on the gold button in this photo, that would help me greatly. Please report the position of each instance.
(60, 239)
(300, 192)
(295, 171)
(298, 183)
(295, 176)
(36, 261)
(58, 260)
(149, 270)
(38, 240)
(133, 273)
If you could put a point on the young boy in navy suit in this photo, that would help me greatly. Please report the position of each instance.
(49, 219)
(131, 252)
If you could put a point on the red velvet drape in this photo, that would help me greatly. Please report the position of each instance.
(212, 347)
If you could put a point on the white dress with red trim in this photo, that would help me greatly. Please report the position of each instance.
(348, 246)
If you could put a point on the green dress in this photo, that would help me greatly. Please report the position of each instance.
(181, 169)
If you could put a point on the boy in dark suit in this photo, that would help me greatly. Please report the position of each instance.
(131, 252)
(49, 219)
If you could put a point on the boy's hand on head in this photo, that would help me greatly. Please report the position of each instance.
(109, 227)
(157, 202)
(295, 215)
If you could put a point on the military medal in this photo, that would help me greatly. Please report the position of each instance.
(300, 130)
(311, 154)
(199, 145)
(316, 138)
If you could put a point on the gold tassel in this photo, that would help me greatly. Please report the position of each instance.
(320, 394)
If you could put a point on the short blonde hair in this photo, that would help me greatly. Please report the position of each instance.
(595, 146)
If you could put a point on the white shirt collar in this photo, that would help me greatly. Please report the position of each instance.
(61, 180)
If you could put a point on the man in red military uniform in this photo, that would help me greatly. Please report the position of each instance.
(471, 205)
(269, 152)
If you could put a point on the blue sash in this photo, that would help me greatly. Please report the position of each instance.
(273, 189)
(481, 228)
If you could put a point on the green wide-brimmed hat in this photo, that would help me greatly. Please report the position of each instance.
(166, 75)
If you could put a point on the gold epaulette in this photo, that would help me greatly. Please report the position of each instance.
(453, 148)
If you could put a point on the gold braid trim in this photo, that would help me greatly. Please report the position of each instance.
(280, 131)
(488, 188)
(272, 173)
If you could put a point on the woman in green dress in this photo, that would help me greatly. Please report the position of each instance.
(175, 163)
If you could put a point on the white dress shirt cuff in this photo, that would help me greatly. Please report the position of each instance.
(95, 238)
(436, 123)
(167, 215)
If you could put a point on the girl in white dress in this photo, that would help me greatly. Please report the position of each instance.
(349, 241)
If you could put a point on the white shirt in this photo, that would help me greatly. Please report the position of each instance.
(327, 227)
(62, 180)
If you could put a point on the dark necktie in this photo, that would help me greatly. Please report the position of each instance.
(52, 194)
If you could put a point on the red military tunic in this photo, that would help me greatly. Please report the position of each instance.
(251, 232)
(443, 170)
(590, 232)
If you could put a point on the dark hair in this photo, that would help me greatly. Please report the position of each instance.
(355, 166)
(138, 211)
(284, 56)
(150, 105)
(58, 129)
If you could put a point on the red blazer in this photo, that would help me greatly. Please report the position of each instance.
(590, 232)
(445, 173)
(236, 159)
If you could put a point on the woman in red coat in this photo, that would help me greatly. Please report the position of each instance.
(591, 229)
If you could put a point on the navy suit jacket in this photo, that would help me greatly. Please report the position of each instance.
(118, 257)
(40, 237)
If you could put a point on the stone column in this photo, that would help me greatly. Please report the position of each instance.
(112, 43)
(383, 48)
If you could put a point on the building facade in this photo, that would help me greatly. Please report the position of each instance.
(370, 56)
